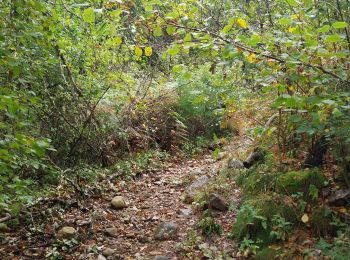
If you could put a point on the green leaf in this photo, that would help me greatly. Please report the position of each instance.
(292, 3)
(226, 29)
(340, 25)
(174, 50)
(332, 38)
(170, 29)
(89, 15)
(188, 37)
(336, 112)
(178, 68)
(158, 31)
(187, 75)
(324, 28)
(284, 21)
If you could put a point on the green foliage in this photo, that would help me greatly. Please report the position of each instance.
(144, 162)
(208, 225)
(249, 247)
(339, 248)
(280, 227)
(266, 217)
(22, 154)
(248, 223)
(202, 101)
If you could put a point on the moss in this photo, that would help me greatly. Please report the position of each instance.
(299, 181)
(321, 219)
(254, 219)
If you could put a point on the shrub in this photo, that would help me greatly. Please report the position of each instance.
(261, 216)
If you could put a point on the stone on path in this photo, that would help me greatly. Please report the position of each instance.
(221, 156)
(112, 231)
(199, 183)
(217, 202)
(101, 257)
(196, 185)
(234, 163)
(108, 252)
(66, 232)
(166, 230)
(161, 257)
(340, 198)
(185, 212)
(118, 202)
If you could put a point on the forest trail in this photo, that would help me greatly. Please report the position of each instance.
(129, 233)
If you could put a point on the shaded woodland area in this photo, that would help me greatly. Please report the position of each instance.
(146, 129)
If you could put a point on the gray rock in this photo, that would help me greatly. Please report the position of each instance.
(197, 172)
(194, 187)
(66, 232)
(108, 252)
(340, 198)
(118, 202)
(217, 202)
(221, 156)
(166, 230)
(101, 257)
(199, 183)
(161, 257)
(234, 163)
(112, 231)
(185, 212)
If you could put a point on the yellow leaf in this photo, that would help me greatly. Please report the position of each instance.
(305, 218)
(242, 23)
(118, 40)
(342, 210)
(138, 51)
(291, 29)
(295, 16)
(251, 58)
(148, 51)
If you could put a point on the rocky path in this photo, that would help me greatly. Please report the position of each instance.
(151, 219)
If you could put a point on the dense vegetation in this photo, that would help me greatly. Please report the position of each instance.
(117, 84)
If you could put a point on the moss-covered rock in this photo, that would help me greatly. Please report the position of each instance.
(299, 181)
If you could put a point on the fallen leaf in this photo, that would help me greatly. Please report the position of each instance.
(305, 218)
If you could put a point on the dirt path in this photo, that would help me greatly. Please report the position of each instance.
(129, 233)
